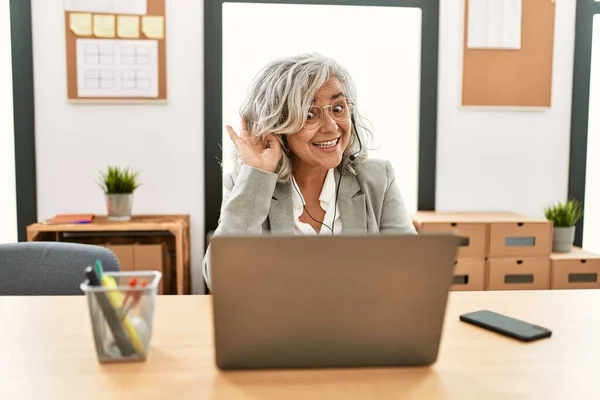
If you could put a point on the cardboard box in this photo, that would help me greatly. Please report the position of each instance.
(474, 231)
(520, 237)
(469, 274)
(518, 274)
(577, 269)
(124, 253)
(145, 257)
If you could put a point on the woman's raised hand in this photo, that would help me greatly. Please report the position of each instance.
(253, 151)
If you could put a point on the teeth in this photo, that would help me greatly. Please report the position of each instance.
(327, 144)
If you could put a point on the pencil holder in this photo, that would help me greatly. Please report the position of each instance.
(122, 313)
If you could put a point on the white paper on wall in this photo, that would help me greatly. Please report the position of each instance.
(494, 24)
(138, 7)
(117, 68)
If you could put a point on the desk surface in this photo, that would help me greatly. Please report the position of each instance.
(46, 351)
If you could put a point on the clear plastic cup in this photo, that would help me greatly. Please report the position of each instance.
(122, 315)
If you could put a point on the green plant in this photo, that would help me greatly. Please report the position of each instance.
(117, 180)
(564, 214)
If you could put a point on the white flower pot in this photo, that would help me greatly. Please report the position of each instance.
(562, 241)
(118, 206)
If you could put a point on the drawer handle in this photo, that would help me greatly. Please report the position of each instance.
(460, 280)
(519, 241)
(465, 241)
(583, 278)
(518, 278)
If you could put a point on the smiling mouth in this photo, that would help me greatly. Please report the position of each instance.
(328, 144)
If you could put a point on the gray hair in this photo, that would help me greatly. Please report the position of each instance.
(282, 92)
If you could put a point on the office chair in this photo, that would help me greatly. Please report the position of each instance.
(49, 268)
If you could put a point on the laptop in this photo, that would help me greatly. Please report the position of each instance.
(330, 301)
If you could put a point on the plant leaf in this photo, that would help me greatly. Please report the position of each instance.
(564, 214)
(116, 180)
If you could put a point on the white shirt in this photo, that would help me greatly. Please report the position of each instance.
(327, 200)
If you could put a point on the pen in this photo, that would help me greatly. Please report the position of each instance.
(136, 299)
(132, 284)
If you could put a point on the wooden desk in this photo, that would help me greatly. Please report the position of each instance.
(175, 225)
(46, 351)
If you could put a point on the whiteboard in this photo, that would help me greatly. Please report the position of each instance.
(591, 228)
(381, 50)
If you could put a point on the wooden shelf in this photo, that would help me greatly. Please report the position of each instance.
(102, 230)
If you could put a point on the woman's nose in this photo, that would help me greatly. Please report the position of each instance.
(328, 124)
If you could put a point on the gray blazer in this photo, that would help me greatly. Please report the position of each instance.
(256, 203)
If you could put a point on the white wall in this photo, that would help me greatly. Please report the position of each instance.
(8, 194)
(394, 118)
(502, 160)
(591, 227)
(73, 141)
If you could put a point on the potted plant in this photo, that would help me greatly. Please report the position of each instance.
(118, 185)
(564, 216)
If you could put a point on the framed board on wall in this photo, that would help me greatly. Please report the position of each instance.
(519, 77)
(116, 50)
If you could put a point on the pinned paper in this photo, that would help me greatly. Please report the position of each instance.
(117, 68)
(495, 24)
(81, 24)
(128, 27)
(137, 7)
(153, 27)
(104, 26)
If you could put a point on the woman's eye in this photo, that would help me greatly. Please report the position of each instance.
(338, 109)
(310, 116)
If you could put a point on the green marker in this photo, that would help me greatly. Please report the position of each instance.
(99, 270)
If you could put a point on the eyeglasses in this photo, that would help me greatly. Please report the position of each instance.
(340, 110)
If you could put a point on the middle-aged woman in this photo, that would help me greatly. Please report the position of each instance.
(302, 161)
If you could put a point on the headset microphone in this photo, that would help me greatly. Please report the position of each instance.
(355, 155)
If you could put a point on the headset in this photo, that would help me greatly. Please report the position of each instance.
(352, 157)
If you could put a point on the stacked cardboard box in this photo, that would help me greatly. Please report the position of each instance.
(469, 270)
(145, 257)
(577, 269)
(519, 253)
(502, 251)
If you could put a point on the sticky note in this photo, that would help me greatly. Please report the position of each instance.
(81, 24)
(128, 26)
(153, 26)
(104, 26)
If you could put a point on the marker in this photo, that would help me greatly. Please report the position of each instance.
(99, 270)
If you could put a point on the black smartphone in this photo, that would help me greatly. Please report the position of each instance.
(507, 326)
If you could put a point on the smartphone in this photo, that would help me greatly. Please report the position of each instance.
(507, 326)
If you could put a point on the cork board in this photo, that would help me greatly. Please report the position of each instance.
(513, 78)
(116, 55)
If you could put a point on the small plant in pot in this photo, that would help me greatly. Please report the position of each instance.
(564, 216)
(118, 185)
